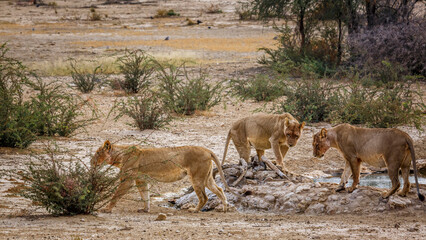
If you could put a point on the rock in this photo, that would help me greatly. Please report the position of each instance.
(317, 185)
(161, 217)
(413, 229)
(398, 202)
(302, 188)
(249, 174)
(316, 208)
(251, 181)
(333, 197)
(270, 198)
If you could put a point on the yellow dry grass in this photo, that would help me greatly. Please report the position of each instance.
(208, 44)
(62, 67)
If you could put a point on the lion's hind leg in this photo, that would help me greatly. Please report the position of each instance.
(211, 184)
(405, 172)
(199, 179)
(122, 189)
(143, 188)
(393, 172)
(243, 148)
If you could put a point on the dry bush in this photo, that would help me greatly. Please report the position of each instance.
(260, 88)
(161, 13)
(214, 9)
(146, 110)
(84, 81)
(400, 44)
(184, 93)
(16, 120)
(64, 185)
(137, 67)
(56, 112)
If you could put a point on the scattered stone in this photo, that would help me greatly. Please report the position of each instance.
(161, 217)
(398, 202)
(413, 229)
(126, 228)
(302, 188)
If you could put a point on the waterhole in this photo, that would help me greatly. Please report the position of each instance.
(373, 180)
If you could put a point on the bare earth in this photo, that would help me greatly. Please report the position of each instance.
(228, 50)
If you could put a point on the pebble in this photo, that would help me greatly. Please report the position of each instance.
(161, 217)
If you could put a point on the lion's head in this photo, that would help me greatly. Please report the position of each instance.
(102, 155)
(293, 131)
(320, 143)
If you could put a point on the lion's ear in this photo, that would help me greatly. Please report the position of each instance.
(323, 133)
(107, 145)
(302, 125)
(286, 122)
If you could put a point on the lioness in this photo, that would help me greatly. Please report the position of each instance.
(378, 147)
(163, 165)
(264, 131)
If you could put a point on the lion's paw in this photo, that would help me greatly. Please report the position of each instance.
(193, 210)
(351, 189)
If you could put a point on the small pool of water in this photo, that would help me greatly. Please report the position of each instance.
(373, 180)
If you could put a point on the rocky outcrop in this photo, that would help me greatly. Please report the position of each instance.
(262, 190)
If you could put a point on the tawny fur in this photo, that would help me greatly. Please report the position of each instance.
(264, 131)
(163, 165)
(379, 147)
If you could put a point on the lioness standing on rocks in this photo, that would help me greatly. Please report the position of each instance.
(264, 131)
(378, 147)
(163, 165)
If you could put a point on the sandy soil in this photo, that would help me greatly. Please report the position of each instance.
(228, 49)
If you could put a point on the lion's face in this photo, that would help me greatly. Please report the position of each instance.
(293, 131)
(320, 143)
(102, 155)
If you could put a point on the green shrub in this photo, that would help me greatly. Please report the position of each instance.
(388, 106)
(184, 94)
(85, 82)
(314, 101)
(16, 120)
(261, 88)
(137, 68)
(318, 59)
(66, 186)
(309, 100)
(146, 110)
(56, 112)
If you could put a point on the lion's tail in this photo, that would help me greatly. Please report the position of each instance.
(228, 139)
(222, 176)
(413, 158)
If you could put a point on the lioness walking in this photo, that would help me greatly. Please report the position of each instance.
(163, 165)
(379, 147)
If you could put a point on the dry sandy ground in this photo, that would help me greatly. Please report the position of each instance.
(228, 49)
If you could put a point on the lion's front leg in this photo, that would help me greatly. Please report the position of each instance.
(277, 151)
(345, 177)
(355, 164)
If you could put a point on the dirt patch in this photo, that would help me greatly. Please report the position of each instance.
(228, 49)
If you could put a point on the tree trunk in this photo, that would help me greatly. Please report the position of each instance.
(302, 29)
(352, 22)
(339, 43)
(370, 7)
